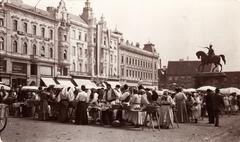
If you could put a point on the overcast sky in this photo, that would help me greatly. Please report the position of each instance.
(178, 28)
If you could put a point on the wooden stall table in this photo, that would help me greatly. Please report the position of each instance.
(34, 103)
(150, 111)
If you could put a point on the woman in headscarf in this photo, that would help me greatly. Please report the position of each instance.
(165, 112)
(136, 117)
(66, 96)
(81, 117)
(180, 99)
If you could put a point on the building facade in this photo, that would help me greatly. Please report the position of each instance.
(181, 73)
(138, 66)
(43, 47)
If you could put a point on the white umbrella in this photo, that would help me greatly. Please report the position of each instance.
(189, 90)
(205, 88)
(230, 90)
(5, 87)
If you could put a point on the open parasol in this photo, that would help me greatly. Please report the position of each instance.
(205, 88)
(230, 90)
(5, 87)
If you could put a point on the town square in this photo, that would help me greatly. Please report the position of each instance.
(104, 70)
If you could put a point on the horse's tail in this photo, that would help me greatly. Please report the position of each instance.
(223, 58)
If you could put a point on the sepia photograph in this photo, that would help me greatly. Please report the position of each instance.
(119, 70)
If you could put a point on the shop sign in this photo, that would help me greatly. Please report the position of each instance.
(19, 68)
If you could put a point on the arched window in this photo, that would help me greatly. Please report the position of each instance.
(51, 53)
(24, 48)
(15, 46)
(1, 43)
(34, 50)
(65, 54)
(43, 51)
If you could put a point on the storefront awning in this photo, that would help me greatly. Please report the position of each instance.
(48, 81)
(113, 83)
(66, 83)
(86, 82)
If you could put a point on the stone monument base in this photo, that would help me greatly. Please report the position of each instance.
(216, 79)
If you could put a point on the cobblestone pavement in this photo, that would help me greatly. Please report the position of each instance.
(32, 130)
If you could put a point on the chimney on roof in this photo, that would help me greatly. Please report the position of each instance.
(181, 59)
(164, 68)
(137, 44)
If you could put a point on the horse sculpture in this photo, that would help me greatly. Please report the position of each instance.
(205, 59)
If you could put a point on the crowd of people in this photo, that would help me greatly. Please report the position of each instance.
(120, 104)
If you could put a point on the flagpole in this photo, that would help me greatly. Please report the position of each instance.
(35, 7)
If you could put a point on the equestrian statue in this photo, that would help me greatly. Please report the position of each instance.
(210, 58)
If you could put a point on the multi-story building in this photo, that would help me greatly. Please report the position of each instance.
(138, 66)
(181, 73)
(28, 51)
(40, 47)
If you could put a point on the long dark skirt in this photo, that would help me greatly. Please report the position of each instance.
(81, 117)
(43, 110)
(63, 111)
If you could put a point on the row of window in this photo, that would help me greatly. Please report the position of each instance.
(34, 29)
(80, 53)
(79, 35)
(137, 62)
(43, 51)
(79, 67)
(139, 74)
(176, 78)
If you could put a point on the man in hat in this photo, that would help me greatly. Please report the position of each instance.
(209, 106)
(210, 52)
(218, 104)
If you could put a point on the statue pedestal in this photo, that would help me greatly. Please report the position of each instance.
(216, 79)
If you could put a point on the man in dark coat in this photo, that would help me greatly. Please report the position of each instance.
(218, 104)
(209, 106)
